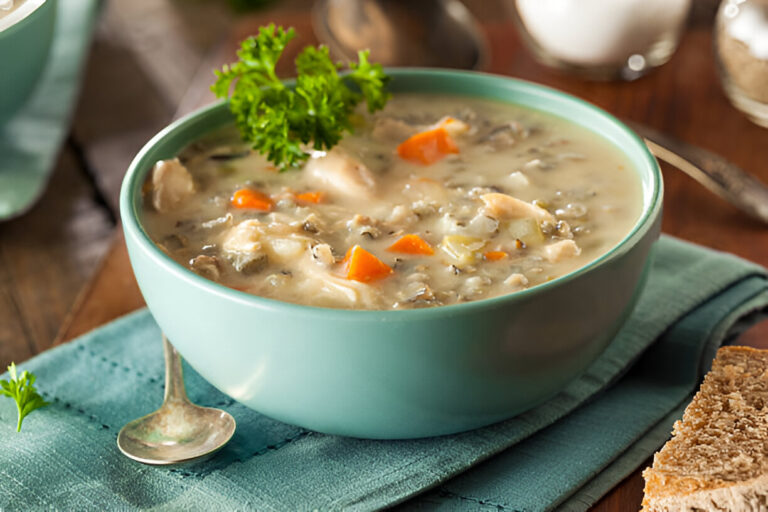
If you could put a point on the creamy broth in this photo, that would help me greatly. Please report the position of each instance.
(518, 198)
(8, 6)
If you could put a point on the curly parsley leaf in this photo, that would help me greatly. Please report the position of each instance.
(280, 121)
(21, 388)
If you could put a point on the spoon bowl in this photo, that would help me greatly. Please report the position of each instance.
(431, 33)
(175, 434)
(179, 431)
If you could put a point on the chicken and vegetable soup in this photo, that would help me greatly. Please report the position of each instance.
(432, 201)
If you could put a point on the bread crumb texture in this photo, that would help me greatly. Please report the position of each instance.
(717, 459)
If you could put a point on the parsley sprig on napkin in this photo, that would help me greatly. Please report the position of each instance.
(21, 388)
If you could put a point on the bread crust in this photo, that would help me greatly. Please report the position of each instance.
(668, 493)
(717, 459)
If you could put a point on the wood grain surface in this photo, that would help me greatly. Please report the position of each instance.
(45, 258)
(141, 61)
(683, 99)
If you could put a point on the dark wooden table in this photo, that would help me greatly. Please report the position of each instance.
(64, 269)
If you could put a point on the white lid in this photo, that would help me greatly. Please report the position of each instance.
(749, 24)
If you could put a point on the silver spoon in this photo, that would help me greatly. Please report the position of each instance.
(178, 431)
(436, 33)
(720, 176)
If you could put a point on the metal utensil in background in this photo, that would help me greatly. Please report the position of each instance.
(434, 33)
(721, 177)
(178, 431)
(443, 33)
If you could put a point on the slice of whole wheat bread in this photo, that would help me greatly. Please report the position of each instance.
(717, 458)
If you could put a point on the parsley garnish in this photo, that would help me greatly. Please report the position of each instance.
(22, 390)
(280, 121)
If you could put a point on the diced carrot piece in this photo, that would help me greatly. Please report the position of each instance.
(494, 255)
(427, 147)
(360, 265)
(311, 197)
(252, 199)
(411, 244)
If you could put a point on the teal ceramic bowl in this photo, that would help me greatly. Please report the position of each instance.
(24, 46)
(407, 373)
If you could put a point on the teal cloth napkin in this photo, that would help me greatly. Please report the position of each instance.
(30, 141)
(563, 454)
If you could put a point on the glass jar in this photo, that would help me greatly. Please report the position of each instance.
(741, 44)
(602, 40)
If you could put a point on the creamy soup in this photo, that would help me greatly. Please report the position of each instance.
(435, 200)
(8, 6)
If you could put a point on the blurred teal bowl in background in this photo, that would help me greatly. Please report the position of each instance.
(24, 48)
(407, 373)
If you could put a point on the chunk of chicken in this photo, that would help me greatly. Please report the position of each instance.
(503, 206)
(516, 281)
(286, 249)
(251, 244)
(342, 173)
(244, 237)
(244, 248)
(402, 216)
(171, 185)
(561, 250)
(482, 226)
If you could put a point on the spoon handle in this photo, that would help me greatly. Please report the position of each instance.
(720, 176)
(174, 377)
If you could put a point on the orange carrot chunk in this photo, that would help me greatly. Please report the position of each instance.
(310, 197)
(252, 199)
(360, 265)
(494, 255)
(411, 244)
(427, 147)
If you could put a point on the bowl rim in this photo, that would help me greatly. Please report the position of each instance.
(651, 209)
(20, 15)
